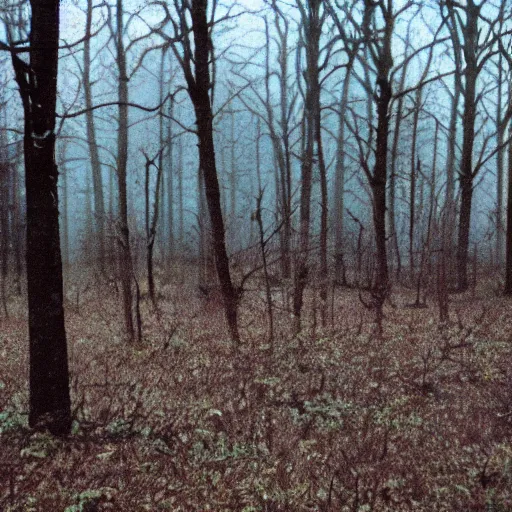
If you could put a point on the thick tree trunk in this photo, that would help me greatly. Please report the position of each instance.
(49, 406)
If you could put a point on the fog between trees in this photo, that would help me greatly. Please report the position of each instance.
(307, 144)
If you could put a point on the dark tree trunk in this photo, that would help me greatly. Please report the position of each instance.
(383, 60)
(378, 185)
(49, 375)
(199, 89)
(499, 167)
(125, 257)
(469, 46)
(312, 27)
(466, 180)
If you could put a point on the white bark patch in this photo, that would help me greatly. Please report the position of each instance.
(40, 139)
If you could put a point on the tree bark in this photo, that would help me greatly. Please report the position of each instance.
(199, 88)
(339, 179)
(469, 47)
(378, 184)
(383, 60)
(97, 180)
(394, 247)
(152, 218)
(466, 175)
(499, 167)
(312, 26)
(125, 258)
(324, 273)
(414, 176)
(49, 402)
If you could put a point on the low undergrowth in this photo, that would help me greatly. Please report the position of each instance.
(333, 420)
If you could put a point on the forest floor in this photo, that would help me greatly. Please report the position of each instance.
(336, 419)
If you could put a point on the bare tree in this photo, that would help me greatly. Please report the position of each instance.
(152, 216)
(193, 47)
(474, 36)
(124, 254)
(415, 164)
(97, 180)
(50, 405)
(312, 18)
(280, 125)
(351, 46)
(500, 163)
(380, 49)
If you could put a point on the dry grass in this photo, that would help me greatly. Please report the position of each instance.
(335, 420)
